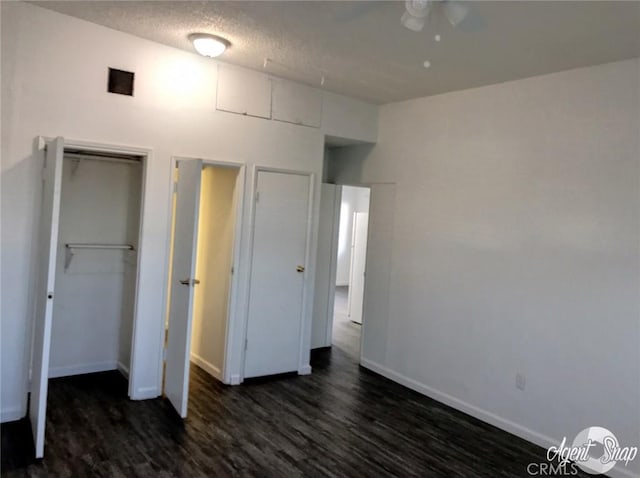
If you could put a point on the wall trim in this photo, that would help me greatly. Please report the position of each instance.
(11, 414)
(55, 372)
(206, 366)
(123, 369)
(235, 379)
(305, 370)
(516, 429)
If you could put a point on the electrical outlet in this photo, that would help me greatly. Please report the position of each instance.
(521, 381)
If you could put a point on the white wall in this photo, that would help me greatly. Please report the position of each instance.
(100, 203)
(53, 83)
(344, 117)
(354, 199)
(213, 268)
(516, 250)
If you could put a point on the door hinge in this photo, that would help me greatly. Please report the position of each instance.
(246, 344)
(257, 196)
(175, 187)
(164, 354)
(233, 269)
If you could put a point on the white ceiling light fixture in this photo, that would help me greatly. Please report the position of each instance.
(209, 45)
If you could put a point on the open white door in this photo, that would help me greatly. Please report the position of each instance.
(48, 245)
(176, 379)
(326, 264)
(358, 261)
(375, 327)
(277, 274)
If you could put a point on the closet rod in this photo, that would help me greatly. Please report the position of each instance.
(99, 246)
(88, 245)
(83, 157)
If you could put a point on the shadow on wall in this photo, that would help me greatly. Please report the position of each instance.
(345, 163)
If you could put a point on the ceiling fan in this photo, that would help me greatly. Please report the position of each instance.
(417, 12)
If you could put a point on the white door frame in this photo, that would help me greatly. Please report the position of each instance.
(146, 155)
(303, 368)
(237, 244)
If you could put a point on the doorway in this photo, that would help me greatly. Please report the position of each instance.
(96, 264)
(204, 246)
(343, 236)
(350, 268)
(88, 267)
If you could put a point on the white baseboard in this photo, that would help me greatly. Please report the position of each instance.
(235, 380)
(123, 369)
(476, 412)
(206, 366)
(305, 370)
(342, 284)
(55, 372)
(11, 414)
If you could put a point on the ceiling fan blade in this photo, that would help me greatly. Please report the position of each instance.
(412, 23)
(455, 12)
(473, 22)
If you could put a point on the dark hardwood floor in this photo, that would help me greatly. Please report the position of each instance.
(340, 421)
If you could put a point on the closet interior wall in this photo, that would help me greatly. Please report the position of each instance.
(216, 227)
(96, 287)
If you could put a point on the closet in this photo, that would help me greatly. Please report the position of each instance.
(204, 248)
(87, 266)
(96, 264)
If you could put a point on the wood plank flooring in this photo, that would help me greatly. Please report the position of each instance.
(341, 421)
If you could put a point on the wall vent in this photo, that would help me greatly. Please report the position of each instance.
(120, 82)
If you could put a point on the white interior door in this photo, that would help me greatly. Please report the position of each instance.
(358, 263)
(375, 328)
(48, 245)
(326, 264)
(185, 239)
(277, 274)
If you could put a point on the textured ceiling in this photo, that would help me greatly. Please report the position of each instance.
(362, 50)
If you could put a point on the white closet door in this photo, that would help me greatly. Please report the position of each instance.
(358, 262)
(176, 380)
(48, 245)
(277, 274)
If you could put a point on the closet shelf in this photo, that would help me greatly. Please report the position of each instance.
(89, 245)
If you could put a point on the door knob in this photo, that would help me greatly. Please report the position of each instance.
(190, 282)
(300, 268)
